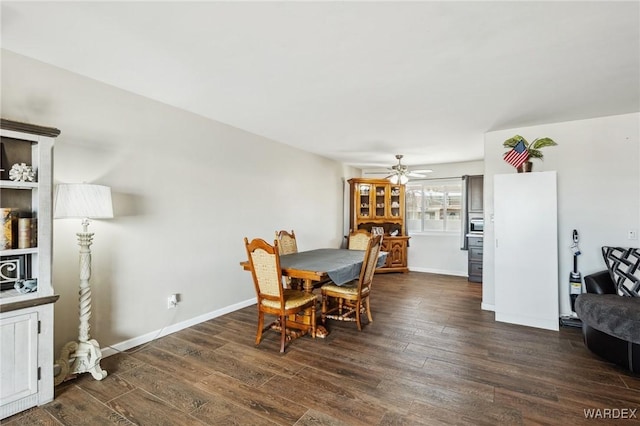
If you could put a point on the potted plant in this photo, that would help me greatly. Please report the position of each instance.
(533, 148)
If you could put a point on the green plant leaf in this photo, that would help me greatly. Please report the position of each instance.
(535, 153)
(512, 142)
(542, 142)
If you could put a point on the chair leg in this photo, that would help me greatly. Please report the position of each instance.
(323, 312)
(358, 314)
(283, 332)
(260, 325)
(313, 320)
(366, 303)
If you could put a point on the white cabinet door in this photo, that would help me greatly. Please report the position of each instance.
(526, 249)
(18, 357)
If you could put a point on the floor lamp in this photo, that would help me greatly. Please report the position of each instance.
(84, 201)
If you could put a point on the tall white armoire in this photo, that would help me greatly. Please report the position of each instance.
(526, 249)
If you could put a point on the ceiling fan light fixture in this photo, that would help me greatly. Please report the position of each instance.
(400, 172)
(398, 178)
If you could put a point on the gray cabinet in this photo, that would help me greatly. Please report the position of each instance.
(475, 194)
(475, 211)
(475, 258)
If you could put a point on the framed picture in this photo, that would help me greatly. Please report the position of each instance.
(12, 268)
(377, 230)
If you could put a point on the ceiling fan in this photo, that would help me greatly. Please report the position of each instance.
(400, 173)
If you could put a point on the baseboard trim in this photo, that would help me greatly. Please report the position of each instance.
(438, 271)
(148, 337)
(545, 323)
(488, 307)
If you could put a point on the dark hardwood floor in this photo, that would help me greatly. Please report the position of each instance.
(430, 357)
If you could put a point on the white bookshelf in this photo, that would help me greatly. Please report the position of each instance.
(26, 319)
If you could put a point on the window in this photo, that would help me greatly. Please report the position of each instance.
(434, 205)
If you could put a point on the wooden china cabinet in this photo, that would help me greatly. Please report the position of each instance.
(380, 203)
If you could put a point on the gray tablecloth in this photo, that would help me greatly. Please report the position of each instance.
(341, 265)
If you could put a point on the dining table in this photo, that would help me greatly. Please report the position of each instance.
(341, 266)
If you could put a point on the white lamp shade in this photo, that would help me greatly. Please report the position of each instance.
(82, 200)
(399, 178)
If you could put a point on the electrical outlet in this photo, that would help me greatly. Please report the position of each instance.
(172, 301)
(633, 234)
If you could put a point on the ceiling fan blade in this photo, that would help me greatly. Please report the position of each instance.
(419, 173)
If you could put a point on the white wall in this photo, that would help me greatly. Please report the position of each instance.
(438, 252)
(598, 165)
(186, 190)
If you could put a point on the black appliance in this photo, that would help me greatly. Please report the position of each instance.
(476, 224)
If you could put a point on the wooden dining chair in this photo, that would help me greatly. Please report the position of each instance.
(273, 299)
(287, 245)
(358, 239)
(286, 242)
(349, 302)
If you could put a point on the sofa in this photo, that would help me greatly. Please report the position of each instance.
(610, 308)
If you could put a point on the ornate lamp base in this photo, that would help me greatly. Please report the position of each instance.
(84, 355)
(80, 357)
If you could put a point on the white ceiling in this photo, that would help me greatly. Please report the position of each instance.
(353, 81)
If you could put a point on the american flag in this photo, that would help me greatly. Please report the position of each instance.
(518, 155)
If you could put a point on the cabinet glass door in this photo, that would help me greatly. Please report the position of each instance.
(364, 207)
(379, 199)
(395, 203)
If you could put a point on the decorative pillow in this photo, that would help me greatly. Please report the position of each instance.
(623, 264)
